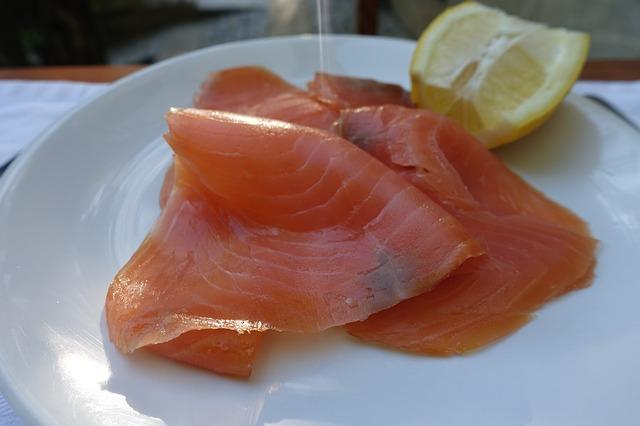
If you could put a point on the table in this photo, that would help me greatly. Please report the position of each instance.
(89, 74)
(622, 70)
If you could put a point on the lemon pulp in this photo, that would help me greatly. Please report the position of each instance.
(497, 75)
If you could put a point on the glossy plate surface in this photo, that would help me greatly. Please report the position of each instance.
(74, 208)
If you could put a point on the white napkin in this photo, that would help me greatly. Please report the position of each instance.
(624, 95)
(28, 108)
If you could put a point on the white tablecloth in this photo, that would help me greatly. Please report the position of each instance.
(28, 108)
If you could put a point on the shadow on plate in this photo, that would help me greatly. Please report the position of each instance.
(560, 146)
(179, 394)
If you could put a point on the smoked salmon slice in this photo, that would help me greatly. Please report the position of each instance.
(273, 226)
(253, 90)
(535, 249)
(497, 188)
(525, 235)
(223, 351)
(256, 91)
(349, 92)
(459, 168)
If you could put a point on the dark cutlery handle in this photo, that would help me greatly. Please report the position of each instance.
(614, 110)
(5, 165)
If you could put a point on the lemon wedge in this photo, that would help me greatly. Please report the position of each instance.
(497, 75)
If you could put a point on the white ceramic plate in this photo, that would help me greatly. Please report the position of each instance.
(75, 207)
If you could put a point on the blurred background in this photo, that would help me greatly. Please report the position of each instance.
(74, 32)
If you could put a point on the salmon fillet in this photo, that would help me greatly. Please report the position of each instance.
(348, 92)
(536, 249)
(254, 91)
(268, 227)
(440, 322)
(223, 351)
